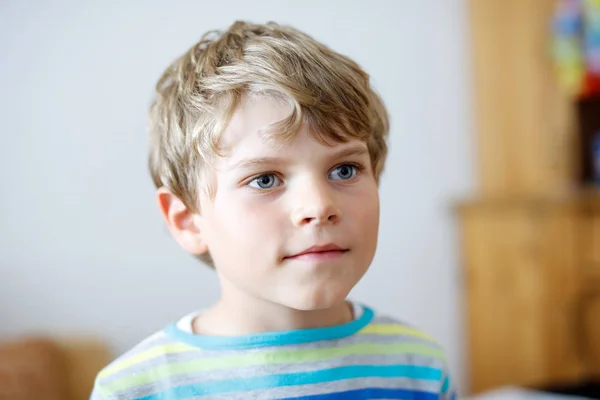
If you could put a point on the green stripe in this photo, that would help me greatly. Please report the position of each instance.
(145, 356)
(270, 358)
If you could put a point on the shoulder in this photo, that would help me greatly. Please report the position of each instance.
(412, 347)
(127, 371)
(388, 327)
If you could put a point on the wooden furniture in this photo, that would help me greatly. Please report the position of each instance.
(532, 290)
(64, 368)
(524, 123)
(531, 235)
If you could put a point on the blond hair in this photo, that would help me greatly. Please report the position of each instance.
(199, 92)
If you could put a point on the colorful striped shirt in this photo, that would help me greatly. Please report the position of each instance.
(371, 357)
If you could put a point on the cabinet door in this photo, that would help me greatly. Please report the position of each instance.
(521, 285)
(589, 307)
(589, 238)
(559, 232)
(504, 294)
(591, 336)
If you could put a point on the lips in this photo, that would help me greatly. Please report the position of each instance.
(330, 248)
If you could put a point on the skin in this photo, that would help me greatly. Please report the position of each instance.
(271, 202)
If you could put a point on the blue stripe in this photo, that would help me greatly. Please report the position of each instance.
(372, 393)
(446, 384)
(300, 378)
(273, 338)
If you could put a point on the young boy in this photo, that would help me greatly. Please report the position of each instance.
(266, 149)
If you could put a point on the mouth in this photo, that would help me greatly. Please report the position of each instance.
(326, 252)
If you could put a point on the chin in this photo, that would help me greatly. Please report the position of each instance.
(318, 298)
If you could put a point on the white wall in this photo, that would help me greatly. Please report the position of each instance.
(82, 247)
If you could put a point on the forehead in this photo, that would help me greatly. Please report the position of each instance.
(252, 115)
(243, 136)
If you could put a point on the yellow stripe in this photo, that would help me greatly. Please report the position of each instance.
(394, 329)
(146, 355)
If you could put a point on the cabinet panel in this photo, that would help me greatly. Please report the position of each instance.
(503, 295)
(524, 122)
(591, 336)
(589, 239)
(521, 284)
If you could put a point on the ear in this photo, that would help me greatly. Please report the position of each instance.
(182, 223)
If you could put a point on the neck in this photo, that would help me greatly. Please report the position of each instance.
(240, 314)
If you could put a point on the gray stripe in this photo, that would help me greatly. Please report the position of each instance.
(155, 340)
(329, 387)
(384, 319)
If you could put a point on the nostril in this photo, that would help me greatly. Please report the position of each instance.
(333, 218)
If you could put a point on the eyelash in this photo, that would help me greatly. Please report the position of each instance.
(359, 168)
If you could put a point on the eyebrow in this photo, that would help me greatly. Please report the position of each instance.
(256, 162)
(357, 150)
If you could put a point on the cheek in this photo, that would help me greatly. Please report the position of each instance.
(369, 221)
(366, 209)
(366, 224)
(246, 221)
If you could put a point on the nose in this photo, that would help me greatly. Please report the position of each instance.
(315, 204)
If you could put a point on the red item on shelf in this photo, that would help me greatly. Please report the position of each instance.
(591, 85)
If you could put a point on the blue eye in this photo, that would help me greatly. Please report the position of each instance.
(343, 172)
(266, 181)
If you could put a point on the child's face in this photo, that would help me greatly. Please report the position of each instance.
(273, 201)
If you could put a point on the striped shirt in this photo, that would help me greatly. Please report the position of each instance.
(371, 357)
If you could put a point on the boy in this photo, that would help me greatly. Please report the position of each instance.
(266, 150)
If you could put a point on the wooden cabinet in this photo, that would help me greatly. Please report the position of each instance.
(590, 241)
(590, 337)
(589, 296)
(532, 290)
(524, 124)
(519, 259)
(530, 238)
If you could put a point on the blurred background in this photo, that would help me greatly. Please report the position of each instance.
(490, 233)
